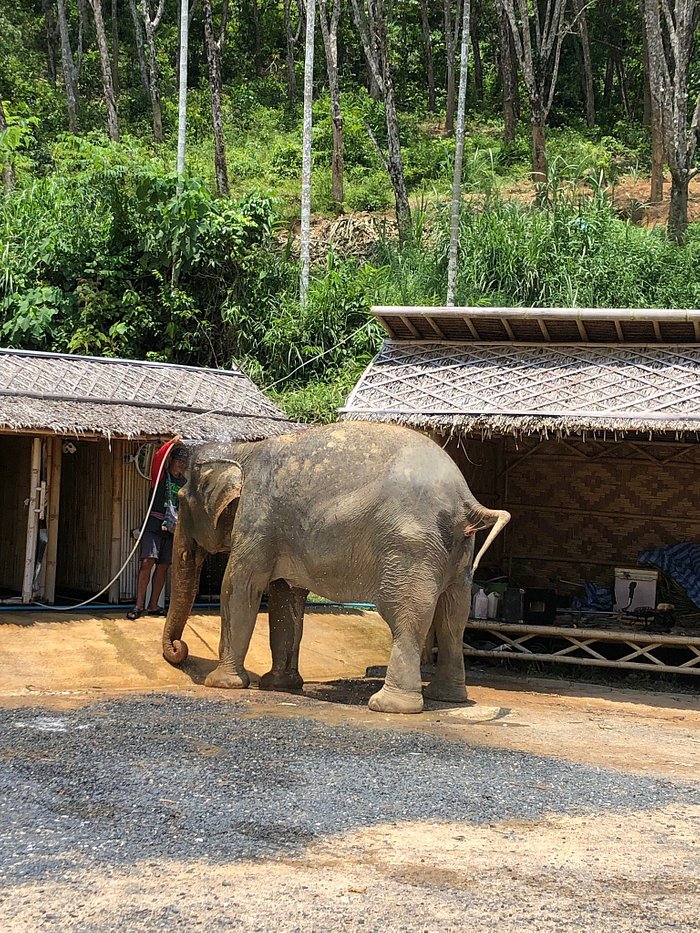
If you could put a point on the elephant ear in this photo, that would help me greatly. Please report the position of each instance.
(220, 482)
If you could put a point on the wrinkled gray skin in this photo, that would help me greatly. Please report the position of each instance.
(351, 511)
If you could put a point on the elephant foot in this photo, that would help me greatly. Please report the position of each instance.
(393, 700)
(224, 678)
(448, 693)
(281, 680)
(176, 652)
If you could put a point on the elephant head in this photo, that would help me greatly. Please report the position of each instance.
(205, 519)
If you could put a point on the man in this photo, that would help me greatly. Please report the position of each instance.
(157, 543)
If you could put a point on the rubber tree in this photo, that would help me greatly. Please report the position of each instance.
(70, 75)
(670, 28)
(428, 51)
(114, 23)
(151, 22)
(293, 35)
(8, 169)
(538, 32)
(459, 153)
(508, 67)
(51, 30)
(580, 26)
(370, 20)
(106, 68)
(214, 47)
(451, 16)
(654, 119)
(305, 243)
(137, 20)
(329, 31)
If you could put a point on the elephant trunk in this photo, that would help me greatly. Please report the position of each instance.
(479, 518)
(187, 565)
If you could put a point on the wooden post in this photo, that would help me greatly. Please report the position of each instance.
(32, 522)
(115, 559)
(54, 501)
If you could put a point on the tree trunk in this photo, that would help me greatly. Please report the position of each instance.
(622, 80)
(609, 76)
(428, 49)
(678, 210)
(105, 65)
(305, 236)
(150, 26)
(138, 43)
(509, 79)
(394, 161)
(459, 153)
(656, 195)
(330, 44)
(539, 152)
(68, 66)
(645, 62)
(587, 76)
(257, 35)
(214, 63)
(50, 28)
(475, 22)
(8, 170)
(450, 42)
(115, 46)
(291, 76)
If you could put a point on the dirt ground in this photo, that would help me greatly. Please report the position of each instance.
(567, 806)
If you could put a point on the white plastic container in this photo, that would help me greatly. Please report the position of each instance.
(493, 602)
(480, 605)
(644, 592)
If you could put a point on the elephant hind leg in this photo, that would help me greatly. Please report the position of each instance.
(409, 619)
(286, 615)
(451, 613)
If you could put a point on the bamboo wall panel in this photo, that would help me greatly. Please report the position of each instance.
(15, 458)
(136, 491)
(580, 512)
(84, 533)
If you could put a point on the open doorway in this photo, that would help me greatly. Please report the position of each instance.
(15, 466)
(85, 525)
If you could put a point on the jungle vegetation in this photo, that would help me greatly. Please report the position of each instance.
(103, 250)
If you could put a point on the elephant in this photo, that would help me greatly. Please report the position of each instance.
(352, 511)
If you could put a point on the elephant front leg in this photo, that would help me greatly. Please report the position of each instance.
(451, 613)
(240, 602)
(286, 613)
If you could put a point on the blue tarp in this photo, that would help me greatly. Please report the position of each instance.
(680, 561)
(596, 599)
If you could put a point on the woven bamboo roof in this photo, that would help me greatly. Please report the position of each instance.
(125, 398)
(541, 325)
(540, 388)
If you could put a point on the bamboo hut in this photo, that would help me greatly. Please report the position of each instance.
(76, 438)
(585, 425)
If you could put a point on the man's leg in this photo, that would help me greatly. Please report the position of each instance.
(143, 580)
(157, 585)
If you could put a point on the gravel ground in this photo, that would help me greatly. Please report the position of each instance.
(126, 787)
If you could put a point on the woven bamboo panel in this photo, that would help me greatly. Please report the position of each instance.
(578, 519)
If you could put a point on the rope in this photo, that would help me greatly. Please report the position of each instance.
(86, 602)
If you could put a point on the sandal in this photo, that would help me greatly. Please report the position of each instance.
(155, 612)
(134, 614)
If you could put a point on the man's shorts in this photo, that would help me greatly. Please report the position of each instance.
(156, 543)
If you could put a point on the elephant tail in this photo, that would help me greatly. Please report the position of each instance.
(478, 518)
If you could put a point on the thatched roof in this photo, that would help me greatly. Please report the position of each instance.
(505, 387)
(125, 398)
